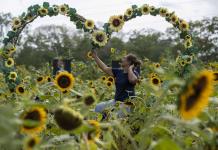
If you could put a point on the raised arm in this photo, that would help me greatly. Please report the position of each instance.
(131, 75)
(105, 68)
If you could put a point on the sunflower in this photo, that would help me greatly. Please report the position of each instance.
(152, 9)
(194, 97)
(9, 62)
(121, 17)
(109, 84)
(63, 9)
(20, 89)
(188, 44)
(113, 50)
(89, 55)
(34, 120)
(29, 17)
(89, 24)
(183, 25)
(64, 81)
(43, 11)
(174, 19)
(48, 79)
(129, 12)
(14, 29)
(67, 118)
(10, 47)
(103, 78)
(110, 78)
(89, 99)
(12, 76)
(163, 12)
(188, 37)
(90, 83)
(116, 24)
(152, 75)
(182, 63)
(167, 15)
(40, 79)
(145, 9)
(31, 142)
(155, 81)
(156, 65)
(16, 23)
(188, 60)
(55, 8)
(100, 38)
(95, 133)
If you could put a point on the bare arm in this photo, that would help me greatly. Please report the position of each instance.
(105, 68)
(131, 75)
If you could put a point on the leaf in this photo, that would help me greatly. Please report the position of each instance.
(46, 4)
(72, 11)
(79, 25)
(166, 144)
(134, 6)
(11, 34)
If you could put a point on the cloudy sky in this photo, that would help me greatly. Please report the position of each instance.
(101, 10)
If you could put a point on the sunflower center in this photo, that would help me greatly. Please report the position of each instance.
(64, 81)
(89, 24)
(89, 100)
(198, 88)
(145, 9)
(39, 79)
(109, 84)
(43, 11)
(49, 79)
(62, 9)
(21, 89)
(116, 22)
(184, 25)
(100, 37)
(129, 12)
(33, 115)
(13, 76)
(9, 62)
(215, 76)
(32, 143)
(110, 79)
(155, 81)
(16, 22)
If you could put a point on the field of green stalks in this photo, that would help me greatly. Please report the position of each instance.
(172, 110)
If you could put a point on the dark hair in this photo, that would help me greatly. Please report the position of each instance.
(133, 60)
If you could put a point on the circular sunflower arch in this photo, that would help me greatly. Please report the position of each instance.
(99, 37)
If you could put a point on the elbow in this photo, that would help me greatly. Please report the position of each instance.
(133, 81)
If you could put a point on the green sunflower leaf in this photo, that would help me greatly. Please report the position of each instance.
(79, 25)
(11, 34)
(72, 11)
(134, 6)
(166, 144)
(45, 4)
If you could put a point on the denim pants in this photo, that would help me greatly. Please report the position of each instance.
(100, 107)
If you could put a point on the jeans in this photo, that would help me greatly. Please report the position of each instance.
(100, 107)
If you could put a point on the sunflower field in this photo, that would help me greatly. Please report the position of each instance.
(175, 107)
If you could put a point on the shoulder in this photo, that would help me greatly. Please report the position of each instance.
(116, 71)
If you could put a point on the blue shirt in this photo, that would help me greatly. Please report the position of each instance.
(124, 88)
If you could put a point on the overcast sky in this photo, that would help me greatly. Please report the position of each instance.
(101, 10)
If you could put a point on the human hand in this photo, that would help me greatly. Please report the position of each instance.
(132, 66)
(94, 53)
